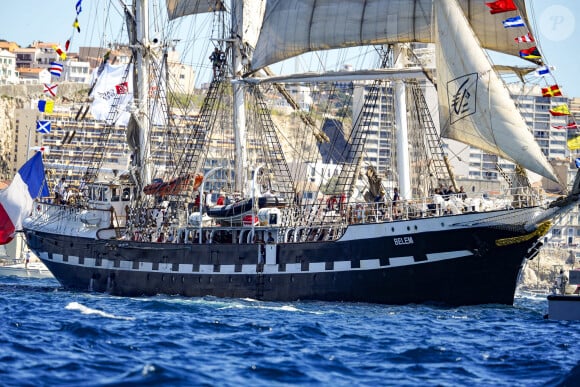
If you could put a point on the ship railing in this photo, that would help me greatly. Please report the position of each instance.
(64, 216)
(313, 222)
(433, 206)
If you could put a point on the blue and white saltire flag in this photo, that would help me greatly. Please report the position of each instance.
(43, 126)
(514, 22)
(17, 200)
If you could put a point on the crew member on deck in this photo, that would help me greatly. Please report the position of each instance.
(396, 200)
(562, 282)
(221, 199)
(208, 200)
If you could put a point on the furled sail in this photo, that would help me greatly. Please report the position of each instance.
(293, 27)
(179, 8)
(474, 104)
(251, 12)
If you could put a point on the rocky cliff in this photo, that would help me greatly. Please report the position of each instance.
(7, 106)
(540, 273)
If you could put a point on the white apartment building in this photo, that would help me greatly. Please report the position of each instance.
(8, 73)
(76, 71)
(28, 60)
(39, 55)
(536, 111)
(181, 76)
(566, 232)
(380, 134)
(33, 76)
(25, 57)
(44, 54)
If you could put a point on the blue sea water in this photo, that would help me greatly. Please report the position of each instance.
(52, 337)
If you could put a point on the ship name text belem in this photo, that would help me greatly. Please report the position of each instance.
(408, 240)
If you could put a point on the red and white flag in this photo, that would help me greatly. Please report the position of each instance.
(570, 125)
(122, 88)
(525, 38)
(43, 149)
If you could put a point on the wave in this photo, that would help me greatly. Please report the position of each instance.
(86, 310)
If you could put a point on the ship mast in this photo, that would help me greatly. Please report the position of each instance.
(401, 127)
(239, 115)
(141, 47)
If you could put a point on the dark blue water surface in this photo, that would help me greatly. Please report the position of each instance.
(51, 337)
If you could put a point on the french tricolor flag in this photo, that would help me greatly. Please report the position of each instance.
(17, 200)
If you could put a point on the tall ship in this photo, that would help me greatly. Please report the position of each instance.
(258, 224)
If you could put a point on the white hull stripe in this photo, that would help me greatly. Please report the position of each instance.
(291, 268)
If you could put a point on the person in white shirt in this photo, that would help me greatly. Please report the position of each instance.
(208, 201)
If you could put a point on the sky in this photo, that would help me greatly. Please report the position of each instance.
(556, 24)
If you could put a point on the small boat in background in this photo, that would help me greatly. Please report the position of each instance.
(18, 261)
(18, 268)
(566, 304)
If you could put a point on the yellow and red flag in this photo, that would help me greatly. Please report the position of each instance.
(551, 91)
(60, 52)
(560, 110)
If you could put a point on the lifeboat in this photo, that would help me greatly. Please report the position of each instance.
(172, 187)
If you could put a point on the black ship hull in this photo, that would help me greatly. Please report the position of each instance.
(395, 263)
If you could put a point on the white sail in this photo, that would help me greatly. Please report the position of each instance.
(111, 92)
(293, 27)
(474, 104)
